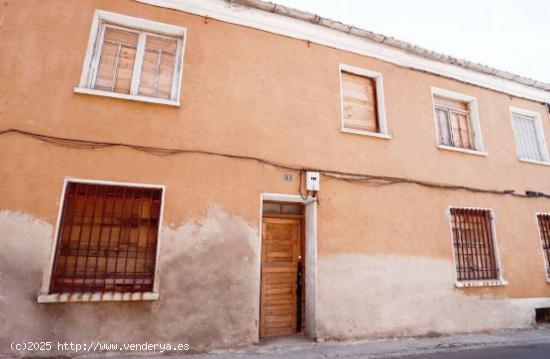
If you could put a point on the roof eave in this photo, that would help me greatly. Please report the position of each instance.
(282, 20)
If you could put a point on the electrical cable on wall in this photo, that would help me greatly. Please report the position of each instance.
(357, 178)
(300, 188)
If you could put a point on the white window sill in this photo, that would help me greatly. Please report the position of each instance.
(123, 96)
(481, 283)
(366, 133)
(534, 162)
(96, 297)
(463, 150)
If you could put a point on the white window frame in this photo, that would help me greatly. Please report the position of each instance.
(104, 19)
(46, 297)
(540, 134)
(546, 264)
(474, 118)
(380, 106)
(477, 283)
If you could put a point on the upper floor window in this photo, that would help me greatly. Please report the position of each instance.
(474, 245)
(362, 102)
(529, 135)
(133, 59)
(456, 121)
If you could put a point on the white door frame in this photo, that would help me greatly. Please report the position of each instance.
(310, 224)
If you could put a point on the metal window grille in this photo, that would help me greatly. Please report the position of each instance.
(136, 62)
(107, 241)
(544, 229)
(117, 60)
(474, 244)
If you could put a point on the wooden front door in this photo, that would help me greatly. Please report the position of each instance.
(281, 255)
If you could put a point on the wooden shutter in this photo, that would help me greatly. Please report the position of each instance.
(116, 63)
(454, 123)
(460, 129)
(359, 102)
(527, 141)
(157, 73)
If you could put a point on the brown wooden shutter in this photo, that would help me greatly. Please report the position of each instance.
(359, 102)
(460, 127)
(157, 72)
(116, 64)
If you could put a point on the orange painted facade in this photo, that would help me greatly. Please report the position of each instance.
(252, 93)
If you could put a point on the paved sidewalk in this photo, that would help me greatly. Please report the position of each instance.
(300, 348)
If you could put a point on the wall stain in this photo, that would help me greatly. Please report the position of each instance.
(397, 296)
(209, 284)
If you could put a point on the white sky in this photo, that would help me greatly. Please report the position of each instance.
(512, 35)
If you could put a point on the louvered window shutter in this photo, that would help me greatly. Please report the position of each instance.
(359, 103)
(528, 144)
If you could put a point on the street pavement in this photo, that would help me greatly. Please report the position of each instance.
(527, 351)
(513, 344)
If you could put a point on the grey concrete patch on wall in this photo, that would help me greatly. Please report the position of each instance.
(211, 267)
(375, 296)
(209, 283)
(26, 247)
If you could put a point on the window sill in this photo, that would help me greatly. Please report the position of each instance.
(481, 283)
(534, 162)
(366, 133)
(463, 150)
(96, 297)
(123, 96)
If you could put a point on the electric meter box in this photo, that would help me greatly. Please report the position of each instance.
(312, 181)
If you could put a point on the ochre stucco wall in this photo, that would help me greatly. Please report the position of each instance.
(386, 250)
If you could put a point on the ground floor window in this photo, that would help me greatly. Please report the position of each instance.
(544, 229)
(107, 240)
(474, 245)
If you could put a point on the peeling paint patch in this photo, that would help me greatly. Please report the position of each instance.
(209, 288)
(362, 296)
(26, 246)
(213, 264)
